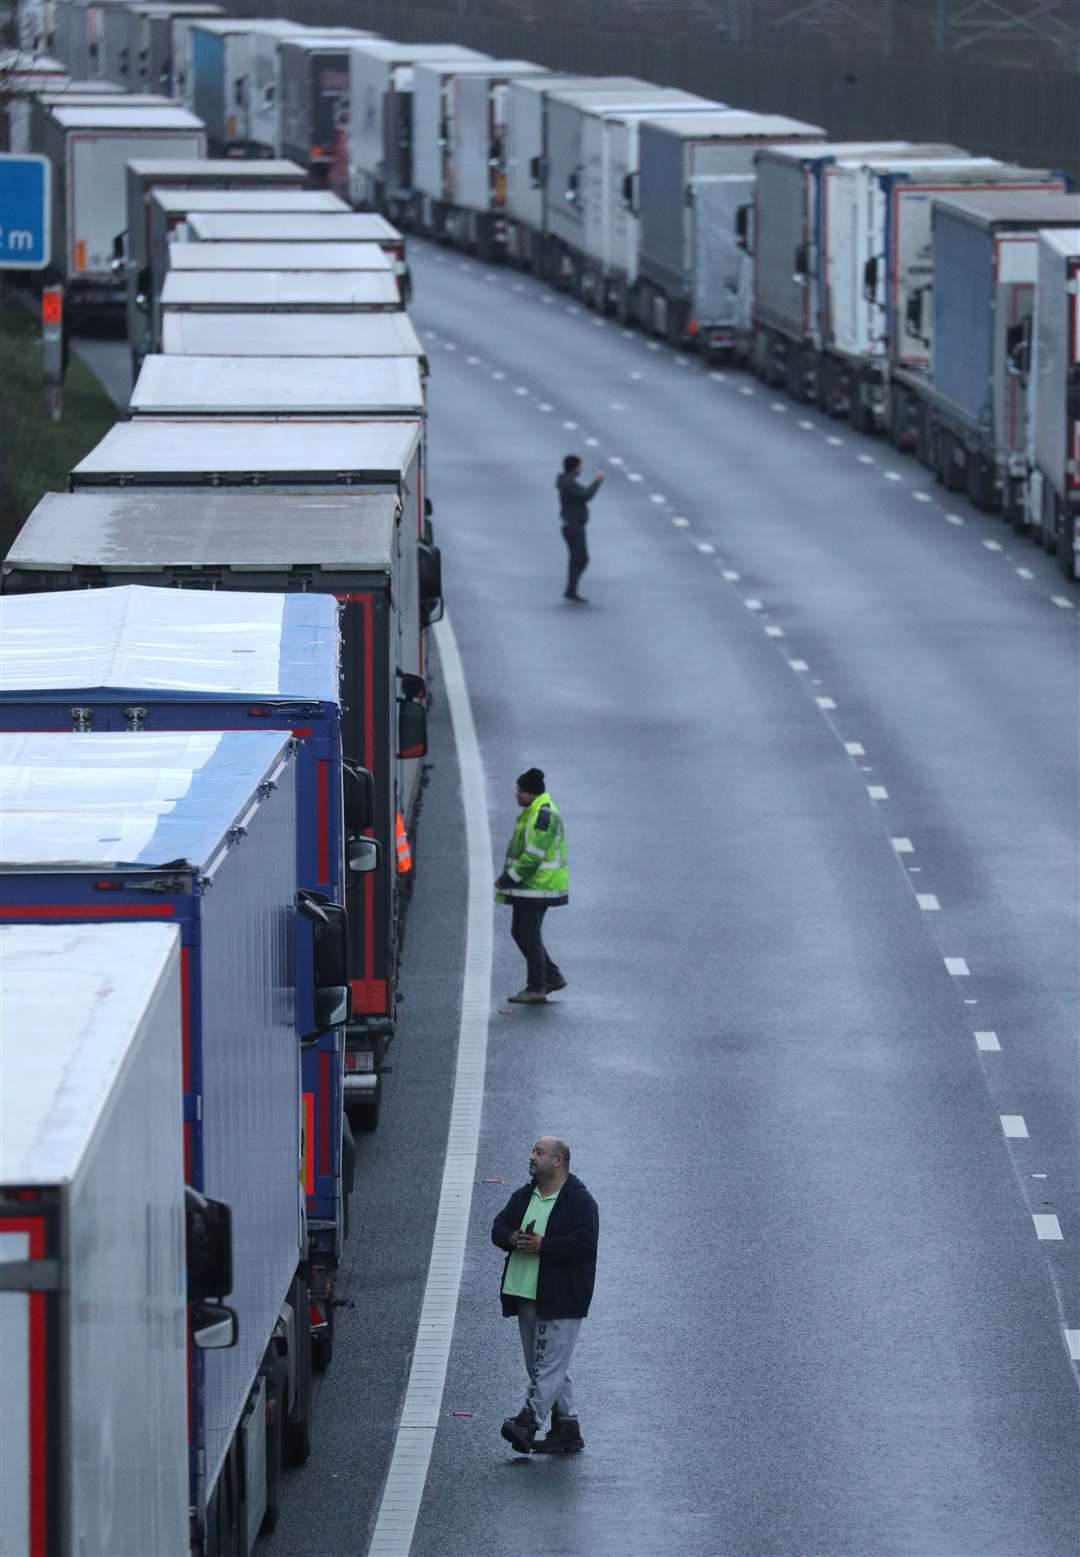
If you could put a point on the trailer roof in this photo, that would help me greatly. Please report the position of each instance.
(323, 39)
(120, 118)
(185, 168)
(304, 202)
(1015, 207)
(731, 124)
(23, 63)
(229, 25)
(411, 53)
(278, 256)
(144, 531)
(134, 639)
(481, 67)
(191, 451)
(181, 9)
(326, 289)
(293, 335)
(576, 83)
(114, 799)
(59, 1074)
(312, 226)
(831, 151)
(1066, 240)
(279, 386)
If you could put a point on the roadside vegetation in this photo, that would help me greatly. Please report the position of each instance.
(36, 453)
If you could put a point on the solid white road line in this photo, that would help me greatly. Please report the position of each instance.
(1014, 1127)
(1047, 1228)
(903, 846)
(957, 967)
(405, 1480)
(928, 902)
(988, 1042)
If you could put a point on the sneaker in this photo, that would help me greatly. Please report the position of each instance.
(527, 997)
(564, 1437)
(551, 985)
(520, 1431)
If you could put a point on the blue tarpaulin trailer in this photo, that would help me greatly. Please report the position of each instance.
(144, 659)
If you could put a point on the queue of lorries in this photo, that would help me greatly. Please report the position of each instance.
(212, 647)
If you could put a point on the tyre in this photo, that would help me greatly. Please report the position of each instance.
(297, 1437)
(1065, 554)
(322, 1344)
(277, 1397)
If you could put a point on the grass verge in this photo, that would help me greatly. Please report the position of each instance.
(37, 453)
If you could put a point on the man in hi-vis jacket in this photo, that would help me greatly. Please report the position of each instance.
(535, 878)
(549, 1228)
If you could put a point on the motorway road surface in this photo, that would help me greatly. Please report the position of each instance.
(815, 741)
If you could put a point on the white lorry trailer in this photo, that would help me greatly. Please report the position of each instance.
(1054, 388)
(476, 218)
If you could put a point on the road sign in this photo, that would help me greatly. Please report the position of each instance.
(25, 213)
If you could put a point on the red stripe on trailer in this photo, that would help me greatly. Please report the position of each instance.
(322, 819)
(368, 609)
(37, 1492)
(309, 1143)
(28, 911)
(324, 1113)
(368, 995)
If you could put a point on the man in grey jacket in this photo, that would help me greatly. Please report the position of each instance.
(574, 500)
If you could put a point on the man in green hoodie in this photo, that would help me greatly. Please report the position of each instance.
(535, 878)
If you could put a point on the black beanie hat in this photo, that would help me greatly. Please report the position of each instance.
(532, 782)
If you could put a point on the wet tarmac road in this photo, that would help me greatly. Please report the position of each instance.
(815, 744)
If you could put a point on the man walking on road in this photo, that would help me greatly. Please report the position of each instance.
(574, 500)
(550, 1228)
(535, 878)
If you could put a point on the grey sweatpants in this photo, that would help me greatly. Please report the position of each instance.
(548, 1345)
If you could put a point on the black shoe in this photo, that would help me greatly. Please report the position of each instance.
(564, 1437)
(577, 599)
(551, 985)
(520, 1431)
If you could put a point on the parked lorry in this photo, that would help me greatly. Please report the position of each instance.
(93, 1298)
(313, 227)
(136, 43)
(79, 35)
(1054, 396)
(89, 149)
(198, 830)
(674, 151)
(380, 166)
(525, 150)
(147, 177)
(35, 27)
(295, 336)
(877, 221)
(477, 156)
(312, 101)
(435, 110)
(277, 291)
(143, 659)
(173, 386)
(351, 542)
(224, 91)
(25, 77)
(279, 256)
(966, 415)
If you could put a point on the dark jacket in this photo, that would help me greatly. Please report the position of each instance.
(564, 1287)
(574, 498)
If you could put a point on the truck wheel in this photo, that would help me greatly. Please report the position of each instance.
(277, 1402)
(365, 1118)
(322, 1345)
(1066, 555)
(298, 1421)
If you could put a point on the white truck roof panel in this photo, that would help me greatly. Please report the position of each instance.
(58, 1075)
(135, 638)
(1066, 240)
(218, 167)
(293, 335)
(278, 256)
(310, 226)
(305, 202)
(117, 798)
(278, 386)
(411, 53)
(121, 118)
(375, 451)
(332, 289)
(729, 124)
(137, 531)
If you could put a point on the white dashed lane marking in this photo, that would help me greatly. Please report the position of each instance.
(927, 902)
(1014, 1127)
(633, 475)
(657, 497)
(835, 441)
(774, 632)
(954, 519)
(1062, 602)
(800, 665)
(922, 497)
(1024, 573)
(877, 791)
(855, 748)
(680, 524)
(993, 545)
(706, 547)
(1047, 1228)
(731, 576)
(903, 845)
(570, 426)
(824, 703)
(807, 426)
(718, 378)
(865, 459)
(777, 405)
(752, 604)
(957, 967)
(892, 475)
(747, 389)
(987, 1041)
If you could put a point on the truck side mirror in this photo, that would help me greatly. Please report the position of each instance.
(208, 1230)
(802, 260)
(429, 569)
(412, 728)
(913, 313)
(333, 992)
(742, 228)
(869, 279)
(1016, 347)
(536, 172)
(214, 1327)
(1072, 393)
(363, 855)
(628, 200)
(359, 797)
(572, 188)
